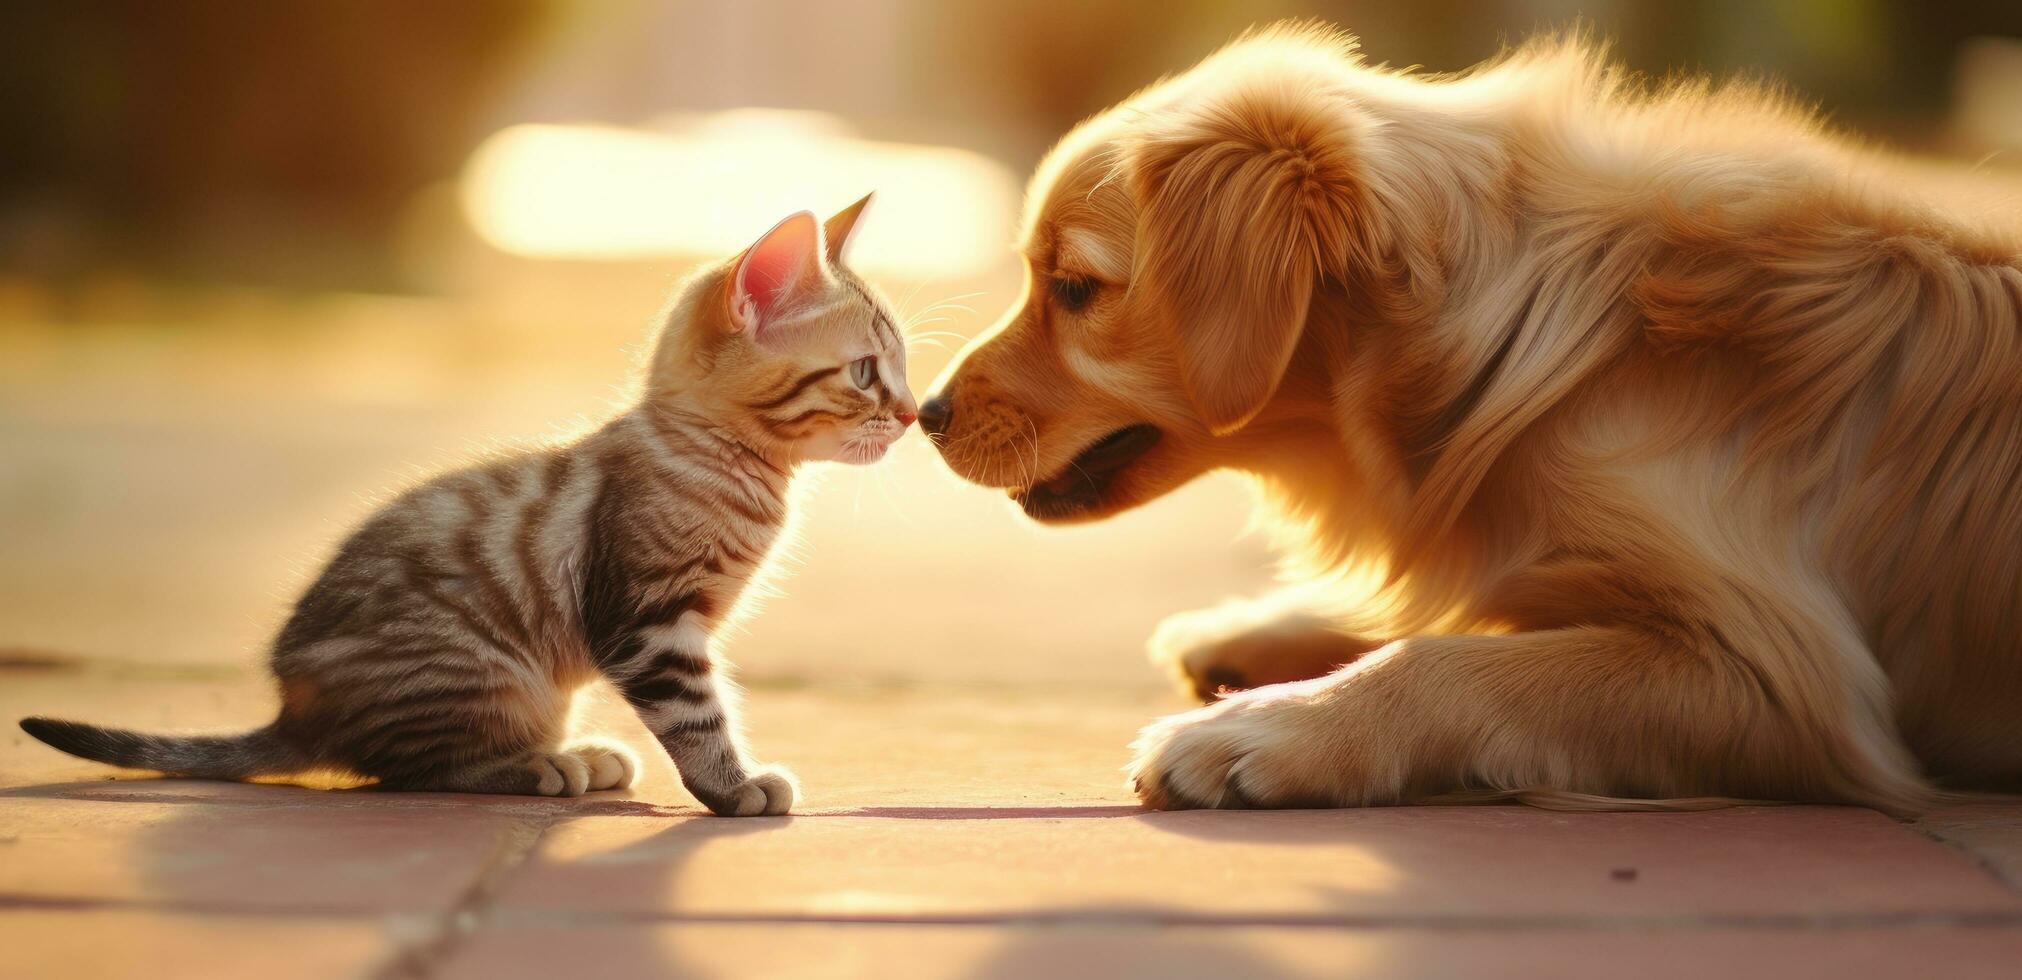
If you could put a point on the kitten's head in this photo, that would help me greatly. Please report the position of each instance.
(789, 349)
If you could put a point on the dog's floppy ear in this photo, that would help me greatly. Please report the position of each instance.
(1246, 198)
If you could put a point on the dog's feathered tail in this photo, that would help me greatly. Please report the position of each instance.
(261, 752)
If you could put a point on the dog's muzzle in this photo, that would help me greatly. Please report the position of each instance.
(1081, 484)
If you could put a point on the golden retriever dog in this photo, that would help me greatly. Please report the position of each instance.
(1683, 438)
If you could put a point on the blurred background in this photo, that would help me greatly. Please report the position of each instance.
(263, 262)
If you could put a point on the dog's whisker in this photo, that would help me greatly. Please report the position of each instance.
(1034, 427)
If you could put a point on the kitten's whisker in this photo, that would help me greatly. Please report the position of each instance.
(937, 304)
(907, 316)
(938, 307)
(883, 477)
(952, 302)
(857, 498)
(915, 292)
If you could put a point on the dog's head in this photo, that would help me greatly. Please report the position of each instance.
(1173, 247)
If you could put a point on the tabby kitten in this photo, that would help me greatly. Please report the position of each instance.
(442, 646)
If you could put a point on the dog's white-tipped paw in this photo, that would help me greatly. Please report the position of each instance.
(1243, 752)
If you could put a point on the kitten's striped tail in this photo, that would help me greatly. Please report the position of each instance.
(261, 752)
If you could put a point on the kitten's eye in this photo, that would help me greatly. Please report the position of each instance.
(1074, 292)
(863, 371)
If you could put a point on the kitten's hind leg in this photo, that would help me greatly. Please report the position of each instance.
(585, 767)
(536, 773)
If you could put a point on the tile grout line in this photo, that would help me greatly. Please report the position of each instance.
(530, 806)
(421, 958)
(548, 807)
(474, 910)
(1349, 922)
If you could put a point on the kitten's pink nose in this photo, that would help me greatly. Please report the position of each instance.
(906, 418)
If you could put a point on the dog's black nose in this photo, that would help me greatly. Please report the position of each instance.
(936, 414)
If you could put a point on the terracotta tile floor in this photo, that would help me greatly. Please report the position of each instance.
(946, 831)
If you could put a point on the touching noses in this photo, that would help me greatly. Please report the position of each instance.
(935, 415)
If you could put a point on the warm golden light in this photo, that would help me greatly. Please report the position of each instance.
(704, 186)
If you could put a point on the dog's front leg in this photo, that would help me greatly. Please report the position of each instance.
(1613, 712)
(1243, 644)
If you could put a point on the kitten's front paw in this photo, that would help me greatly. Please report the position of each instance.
(767, 792)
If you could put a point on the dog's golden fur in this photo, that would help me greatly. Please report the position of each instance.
(1685, 436)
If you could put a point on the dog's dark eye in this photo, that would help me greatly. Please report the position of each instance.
(863, 371)
(1073, 292)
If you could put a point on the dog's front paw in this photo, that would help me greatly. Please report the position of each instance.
(1251, 750)
(1198, 652)
(1211, 653)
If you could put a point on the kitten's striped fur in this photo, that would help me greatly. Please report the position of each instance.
(442, 646)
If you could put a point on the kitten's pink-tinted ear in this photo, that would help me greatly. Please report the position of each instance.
(772, 271)
(837, 230)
